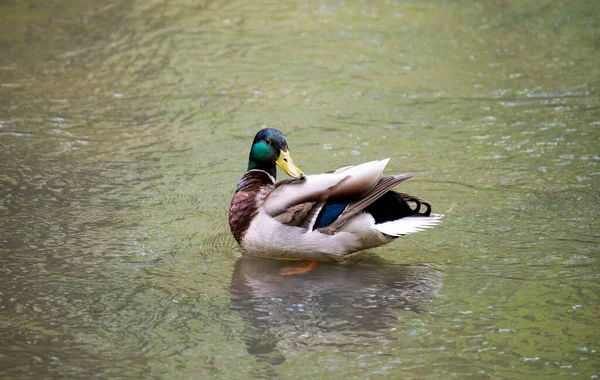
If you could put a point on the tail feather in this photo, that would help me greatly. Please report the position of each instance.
(408, 225)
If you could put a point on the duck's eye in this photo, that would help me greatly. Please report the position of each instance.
(268, 141)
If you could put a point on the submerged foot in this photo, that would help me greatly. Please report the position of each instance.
(288, 271)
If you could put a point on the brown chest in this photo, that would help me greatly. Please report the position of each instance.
(246, 201)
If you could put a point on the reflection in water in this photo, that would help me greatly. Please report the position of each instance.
(333, 304)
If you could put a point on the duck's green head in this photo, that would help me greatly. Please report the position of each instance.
(269, 148)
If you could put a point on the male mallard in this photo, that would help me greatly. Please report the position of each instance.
(321, 217)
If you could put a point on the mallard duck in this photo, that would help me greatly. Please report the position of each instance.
(321, 217)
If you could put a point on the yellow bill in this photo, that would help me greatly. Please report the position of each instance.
(285, 162)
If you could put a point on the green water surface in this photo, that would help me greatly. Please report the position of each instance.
(125, 126)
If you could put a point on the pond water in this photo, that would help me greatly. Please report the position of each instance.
(125, 126)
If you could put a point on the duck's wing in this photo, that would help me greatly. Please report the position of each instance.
(350, 182)
(382, 186)
(298, 214)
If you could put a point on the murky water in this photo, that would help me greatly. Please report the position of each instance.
(125, 127)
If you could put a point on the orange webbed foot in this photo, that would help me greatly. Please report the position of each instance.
(289, 271)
